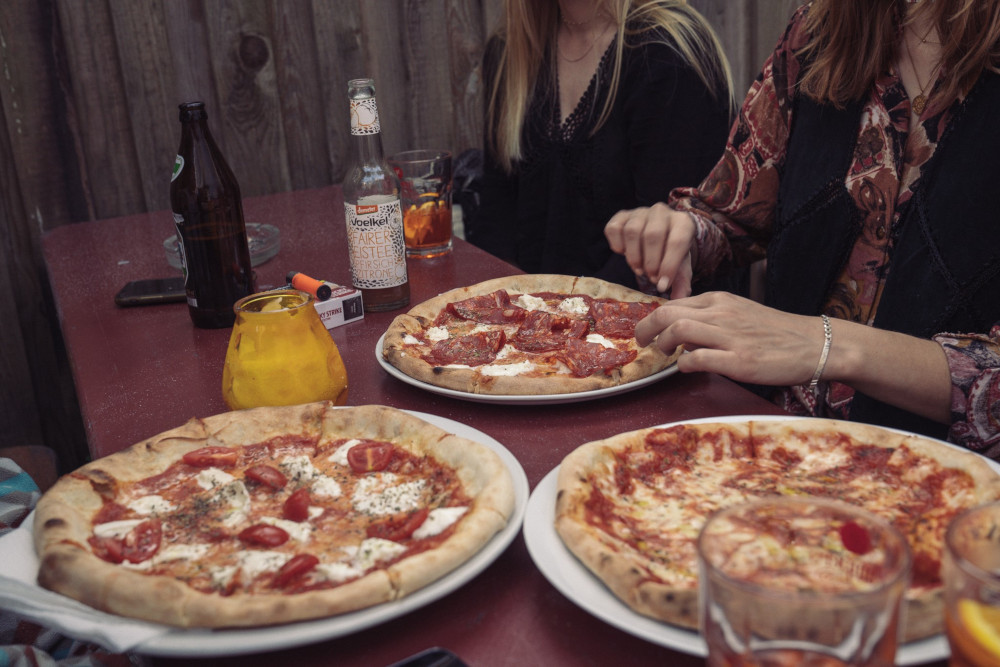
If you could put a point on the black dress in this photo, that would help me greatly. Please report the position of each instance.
(665, 130)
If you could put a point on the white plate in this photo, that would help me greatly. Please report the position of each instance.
(571, 578)
(211, 643)
(522, 399)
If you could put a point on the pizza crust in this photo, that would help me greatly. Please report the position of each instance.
(639, 582)
(64, 516)
(649, 359)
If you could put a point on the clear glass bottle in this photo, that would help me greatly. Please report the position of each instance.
(208, 214)
(375, 239)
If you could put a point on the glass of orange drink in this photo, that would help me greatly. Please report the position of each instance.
(280, 353)
(971, 574)
(425, 195)
(801, 581)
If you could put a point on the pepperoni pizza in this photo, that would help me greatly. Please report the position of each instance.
(527, 334)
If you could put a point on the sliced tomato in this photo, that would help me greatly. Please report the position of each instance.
(267, 475)
(294, 568)
(399, 526)
(140, 544)
(263, 535)
(855, 538)
(370, 456)
(209, 457)
(297, 506)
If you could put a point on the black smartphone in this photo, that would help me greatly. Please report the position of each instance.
(152, 291)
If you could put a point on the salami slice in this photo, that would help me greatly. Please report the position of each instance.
(584, 359)
(474, 349)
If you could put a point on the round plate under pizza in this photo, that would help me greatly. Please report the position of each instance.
(574, 580)
(527, 335)
(235, 641)
(523, 399)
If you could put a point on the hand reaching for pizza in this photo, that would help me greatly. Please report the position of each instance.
(736, 337)
(658, 243)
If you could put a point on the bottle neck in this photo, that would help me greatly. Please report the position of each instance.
(369, 148)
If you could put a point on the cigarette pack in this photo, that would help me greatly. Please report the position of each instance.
(343, 306)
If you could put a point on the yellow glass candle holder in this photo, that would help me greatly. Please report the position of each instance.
(281, 354)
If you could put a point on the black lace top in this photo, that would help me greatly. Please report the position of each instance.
(665, 130)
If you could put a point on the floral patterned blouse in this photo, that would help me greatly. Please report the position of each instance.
(734, 209)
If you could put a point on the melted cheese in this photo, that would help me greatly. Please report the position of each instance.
(378, 494)
(151, 505)
(375, 549)
(575, 305)
(439, 520)
(209, 478)
(340, 456)
(298, 531)
(519, 368)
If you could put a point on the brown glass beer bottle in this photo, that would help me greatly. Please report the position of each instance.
(208, 214)
(374, 215)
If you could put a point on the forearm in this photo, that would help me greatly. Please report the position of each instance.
(907, 372)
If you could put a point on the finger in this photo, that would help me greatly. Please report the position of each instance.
(614, 231)
(675, 253)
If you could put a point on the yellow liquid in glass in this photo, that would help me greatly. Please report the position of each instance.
(281, 354)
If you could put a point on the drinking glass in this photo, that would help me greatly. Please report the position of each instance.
(425, 181)
(281, 354)
(971, 574)
(801, 581)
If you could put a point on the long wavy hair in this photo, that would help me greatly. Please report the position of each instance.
(853, 41)
(529, 32)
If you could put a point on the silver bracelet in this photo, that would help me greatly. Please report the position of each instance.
(827, 342)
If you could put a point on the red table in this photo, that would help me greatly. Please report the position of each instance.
(140, 371)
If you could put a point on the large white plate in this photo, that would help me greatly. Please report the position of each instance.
(211, 643)
(571, 578)
(522, 399)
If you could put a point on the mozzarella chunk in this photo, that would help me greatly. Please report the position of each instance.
(340, 456)
(506, 369)
(600, 340)
(378, 494)
(237, 500)
(151, 505)
(209, 478)
(181, 552)
(375, 549)
(337, 572)
(438, 520)
(437, 333)
(529, 302)
(575, 305)
(409, 339)
(326, 487)
(254, 563)
(300, 531)
(117, 529)
(298, 468)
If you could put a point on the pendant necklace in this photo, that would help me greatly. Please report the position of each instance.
(584, 54)
(920, 101)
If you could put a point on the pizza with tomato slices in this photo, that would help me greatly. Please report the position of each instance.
(527, 335)
(630, 507)
(271, 515)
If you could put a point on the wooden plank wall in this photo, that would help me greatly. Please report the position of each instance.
(88, 124)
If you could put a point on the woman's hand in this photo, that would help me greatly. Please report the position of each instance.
(657, 243)
(736, 337)
(749, 342)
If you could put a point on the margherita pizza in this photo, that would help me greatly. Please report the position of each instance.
(271, 515)
(527, 334)
(630, 507)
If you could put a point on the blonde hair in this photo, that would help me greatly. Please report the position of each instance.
(530, 29)
(853, 41)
